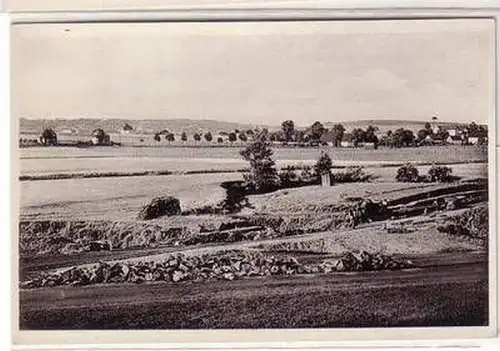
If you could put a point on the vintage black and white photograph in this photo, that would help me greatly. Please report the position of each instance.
(253, 174)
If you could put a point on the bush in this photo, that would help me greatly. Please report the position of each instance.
(160, 206)
(408, 173)
(323, 165)
(440, 174)
(288, 177)
(473, 223)
(351, 175)
(263, 176)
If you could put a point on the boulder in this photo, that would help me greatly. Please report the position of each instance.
(160, 206)
(99, 246)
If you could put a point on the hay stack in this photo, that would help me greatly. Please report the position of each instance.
(160, 206)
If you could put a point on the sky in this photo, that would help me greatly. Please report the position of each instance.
(255, 72)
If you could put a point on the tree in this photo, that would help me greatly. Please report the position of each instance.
(338, 133)
(184, 136)
(299, 135)
(288, 128)
(197, 136)
(263, 175)
(323, 165)
(407, 173)
(359, 136)
(48, 137)
(127, 127)
(317, 130)
(220, 140)
(157, 137)
(442, 133)
(243, 137)
(428, 127)
(422, 134)
(232, 137)
(403, 137)
(208, 136)
(170, 137)
(100, 135)
(370, 136)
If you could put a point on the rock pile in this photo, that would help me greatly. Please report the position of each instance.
(226, 265)
(48, 237)
(160, 206)
(363, 261)
(363, 211)
(473, 223)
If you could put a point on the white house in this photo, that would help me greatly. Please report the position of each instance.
(368, 145)
(347, 141)
(454, 140)
(473, 140)
(452, 132)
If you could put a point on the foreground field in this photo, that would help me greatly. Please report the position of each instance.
(62, 221)
(453, 295)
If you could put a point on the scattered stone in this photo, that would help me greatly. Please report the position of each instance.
(99, 246)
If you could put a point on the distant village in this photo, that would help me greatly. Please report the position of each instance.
(317, 134)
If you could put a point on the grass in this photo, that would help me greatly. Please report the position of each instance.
(39, 161)
(272, 303)
(116, 198)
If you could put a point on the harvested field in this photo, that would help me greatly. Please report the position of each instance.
(116, 199)
(42, 160)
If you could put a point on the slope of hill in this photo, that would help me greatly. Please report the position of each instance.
(84, 126)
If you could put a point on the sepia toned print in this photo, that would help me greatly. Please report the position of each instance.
(249, 175)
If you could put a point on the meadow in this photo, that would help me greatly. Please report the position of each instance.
(50, 160)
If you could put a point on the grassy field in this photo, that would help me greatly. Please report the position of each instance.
(46, 160)
(121, 198)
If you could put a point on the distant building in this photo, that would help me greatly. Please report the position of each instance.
(368, 145)
(126, 129)
(454, 140)
(347, 141)
(99, 137)
(452, 132)
(473, 140)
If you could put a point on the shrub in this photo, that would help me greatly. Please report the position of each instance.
(288, 177)
(160, 206)
(440, 174)
(263, 175)
(351, 175)
(323, 165)
(408, 173)
(472, 223)
(306, 175)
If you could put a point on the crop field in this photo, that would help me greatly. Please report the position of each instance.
(40, 160)
(61, 220)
